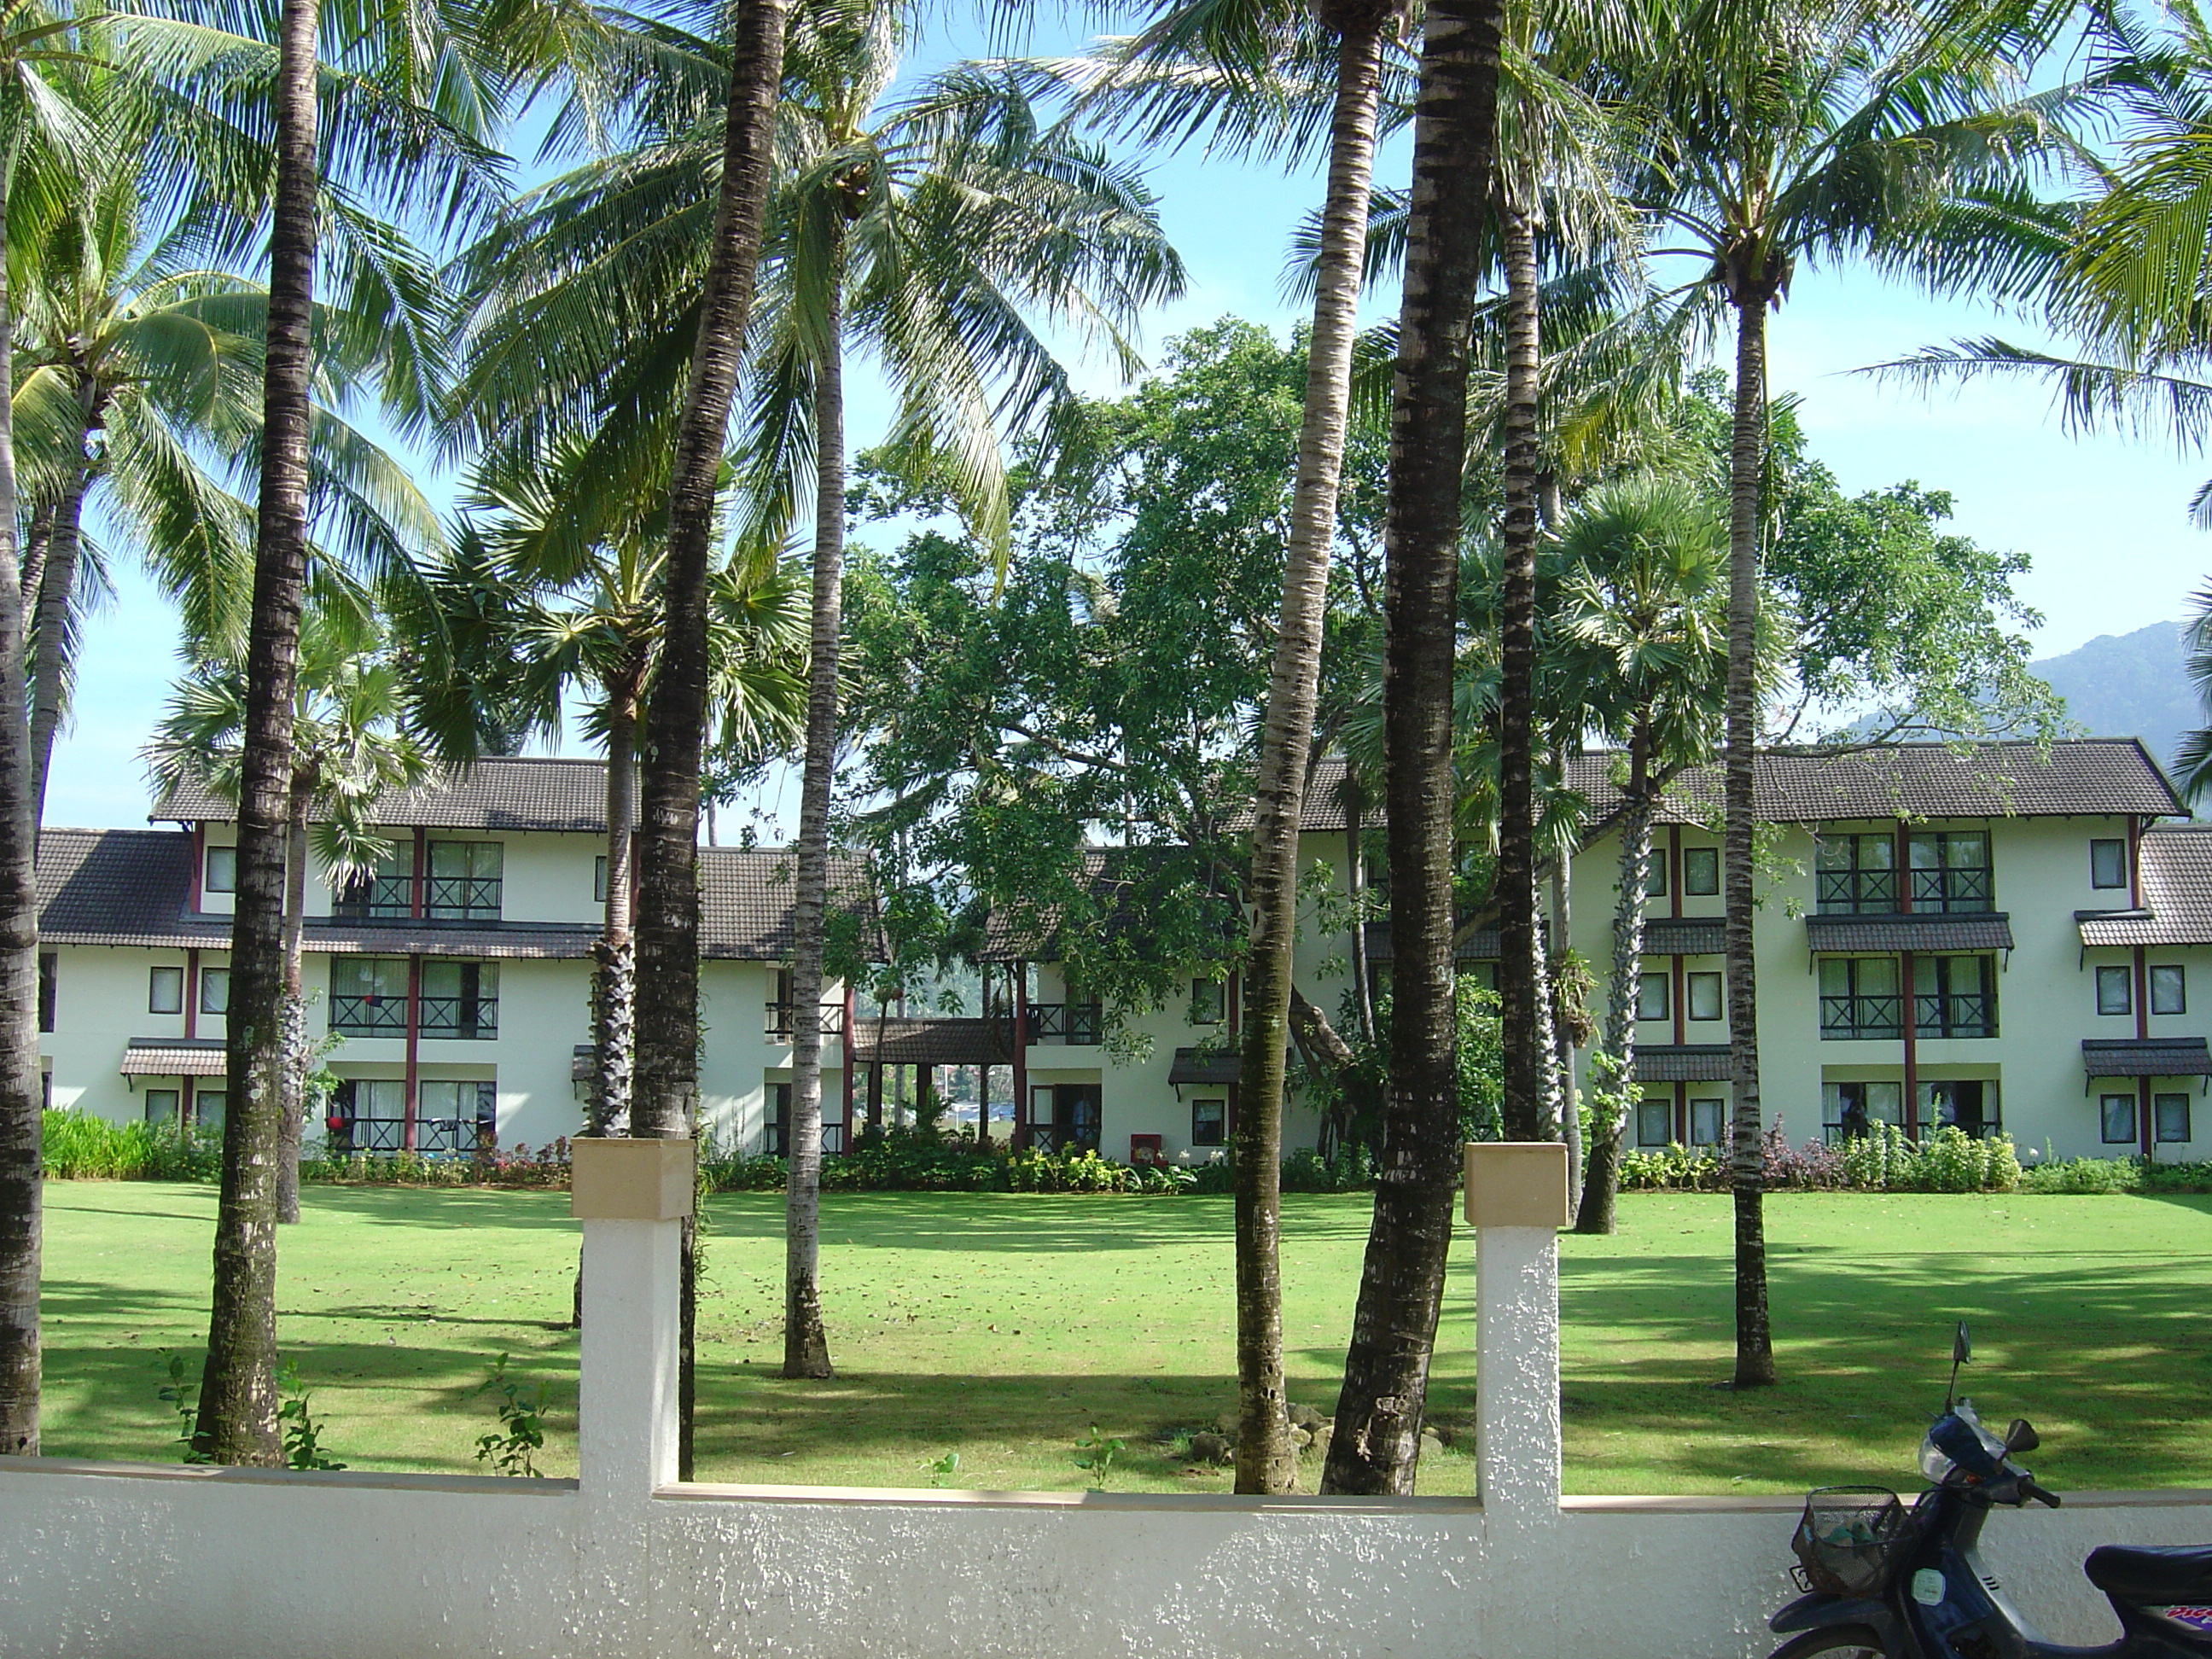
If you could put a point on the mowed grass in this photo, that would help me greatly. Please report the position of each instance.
(1004, 1327)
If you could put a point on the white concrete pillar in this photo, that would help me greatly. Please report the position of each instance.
(1517, 1202)
(632, 1197)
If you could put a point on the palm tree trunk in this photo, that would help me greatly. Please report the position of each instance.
(665, 1089)
(614, 1001)
(805, 1341)
(38, 537)
(1378, 1415)
(56, 592)
(1522, 980)
(238, 1394)
(1562, 938)
(1613, 1067)
(20, 1088)
(295, 999)
(1754, 1341)
(1266, 1461)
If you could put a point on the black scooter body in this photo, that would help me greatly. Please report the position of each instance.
(1971, 1617)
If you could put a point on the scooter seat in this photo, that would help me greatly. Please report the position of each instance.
(2152, 1576)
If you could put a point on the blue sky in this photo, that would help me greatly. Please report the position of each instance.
(2104, 520)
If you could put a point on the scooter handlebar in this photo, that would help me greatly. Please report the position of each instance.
(2041, 1495)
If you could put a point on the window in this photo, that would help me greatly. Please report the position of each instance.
(1209, 1122)
(386, 893)
(1954, 996)
(165, 991)
(1655, 874)
(2116, 1116)
(2115, 992)
(1651, 1002)
(368, 995)
(600, 880)
(463, 881)
(1484, 973)
(1967, 1104)
(1701, 871)
(2108, 864)
(1849, 1111)
(1855, 875)
(161, 1107)
(2169, 988)
(1209, 1002)
(775, 1125)
(368, 1115)
(2170, 1117)
(208, 1108)
(1708, 1119)
(50, 973)
(455, 1117)
(1655, 1123)
(214, 990)
(1950, 870)
(221, 875)
(461, 999)
(1859, 998)
(1703, 996)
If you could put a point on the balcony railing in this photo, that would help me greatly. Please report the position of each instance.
(1862, 1017)
(781, 1018)
(1955, 1014)
(1959, 889)
(444, 898)
(369, 1015)
(474, 1017)
(462, 899)
(1075, 1024)
(1873, 892)
(389, 1135)
(375, 898)
(1858, 892)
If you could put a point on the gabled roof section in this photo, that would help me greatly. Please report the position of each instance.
(518, 792)
(745, 898)
(2091, 777)
(121, 887)
(2176, 893)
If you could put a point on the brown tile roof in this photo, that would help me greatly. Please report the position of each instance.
(121, 887)
(2177, 892)
(2146, 1057)
(745, 893)
(1685, 936)
(1992, 931)
(1477, 945)
(1213, 1068)
(518, 792)
(934, 1042)
(173, 1057)
(2089, 778)
(1688, 1062)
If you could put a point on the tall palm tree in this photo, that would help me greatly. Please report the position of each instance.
(1379, 1412)
(1810, 130)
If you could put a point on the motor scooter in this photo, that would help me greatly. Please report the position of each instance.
(1884, 1581)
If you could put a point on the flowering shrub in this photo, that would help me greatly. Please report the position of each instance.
(492, 1166)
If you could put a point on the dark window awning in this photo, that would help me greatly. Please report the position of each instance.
(173, 1057)
(1477, 945)
(1990, 931)
(1685, 936)
(1682, 1062)
(1217, 1067)
(583, 1062)
(2146, 1057)
(933, 1042)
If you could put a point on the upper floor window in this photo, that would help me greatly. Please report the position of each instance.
(464, 880)
(1209, 1002)
(1859, 998)
(461, 999)
(1655, 874)
(386, 893)
(1951, 870)
(1651, 999)
(368, 995)
(600, 880)
(165, 991)
(214, 990)
(220, 870)
(1703, 993)
(1954, 996)
(1856, 874)
(2108, 863)
(2116, 993)
(1701, 871)
(2169, 988)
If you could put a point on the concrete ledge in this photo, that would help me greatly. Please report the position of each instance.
(476, 1485)
(1193, 1503)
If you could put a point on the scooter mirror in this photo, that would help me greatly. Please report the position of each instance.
(1962, 1345)
(2021, 1436)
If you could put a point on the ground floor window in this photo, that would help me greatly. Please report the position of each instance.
(1209, 1122)
(1968, 1103)
(2171, 1116)
(161, 1107)
(208, 1108)
(1849, 1111)
(455, 1117)
(2116, 1115)
(1859, 998)
(1651, 1001)
(1708, 1122)
(1655, 1121)
(775, 1123)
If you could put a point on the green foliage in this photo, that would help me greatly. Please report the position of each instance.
(1944, 1160)
(518, 1166)
(1349, 1169)
(74, 1146)
(1097, 1452)
(303, 1436)
(512, 1447)
(941, 1470)
(1672, 1168)
(181, 1395)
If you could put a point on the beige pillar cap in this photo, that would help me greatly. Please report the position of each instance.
(1517, 1183)
(612, 1179)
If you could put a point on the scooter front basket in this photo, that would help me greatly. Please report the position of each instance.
(1850, 1540)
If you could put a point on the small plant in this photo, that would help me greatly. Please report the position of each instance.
(303, 1436)
(1097, 1453)
(941, 1470)
(178, 1395)
(514, 1448)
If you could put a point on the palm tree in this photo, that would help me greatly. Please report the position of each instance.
(1379, 1412)
(1808, 130)
(347, 752)
(1640, 618)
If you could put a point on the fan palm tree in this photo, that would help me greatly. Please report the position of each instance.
(1808, 130)
(347, 752)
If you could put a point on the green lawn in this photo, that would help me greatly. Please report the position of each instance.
(1003, 1327)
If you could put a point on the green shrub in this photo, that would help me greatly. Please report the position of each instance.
(1672, 1168)
(75, 1146)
